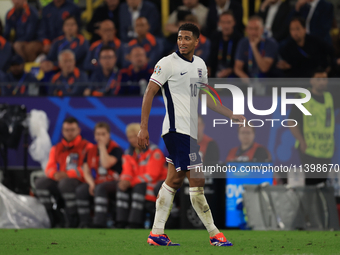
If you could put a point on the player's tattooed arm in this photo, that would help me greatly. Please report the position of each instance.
(143, 135)
(221, 109)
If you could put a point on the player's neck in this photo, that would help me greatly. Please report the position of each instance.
(188, 56)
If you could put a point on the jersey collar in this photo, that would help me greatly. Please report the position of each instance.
(182, 57)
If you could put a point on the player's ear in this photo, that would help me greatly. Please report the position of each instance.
(196, 42)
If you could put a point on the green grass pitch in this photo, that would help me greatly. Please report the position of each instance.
(117, 241)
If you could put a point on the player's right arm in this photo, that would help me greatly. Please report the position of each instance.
(143, 135)
(161, 74)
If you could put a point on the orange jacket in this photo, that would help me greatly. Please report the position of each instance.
(147, 166)
(68, 157)
(92, 159)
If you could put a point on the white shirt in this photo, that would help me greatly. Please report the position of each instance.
(134, 15)
(272, 10)
(310, 14)
(224, 9)
(179, 80)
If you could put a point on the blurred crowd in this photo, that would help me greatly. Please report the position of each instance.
(123, 41)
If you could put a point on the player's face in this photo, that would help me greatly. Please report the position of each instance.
(226, 23)
(70, 27)
(132, 138)
(67, 62)
(246, 135)
(319, 82)
(186, 42)
(101, 135)
(70, 131)
(107, 59)
(254, 29)
(297, 31)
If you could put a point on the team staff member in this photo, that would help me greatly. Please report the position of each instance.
(104, 78)
(70, 80)
(51, 24)
(141, 172)
(249, 150)
(16, 79)
(24, 20)
(102, 166)
(315, 133)
(70, 40)
(64, 172)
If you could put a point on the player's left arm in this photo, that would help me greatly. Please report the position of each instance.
(221, 109)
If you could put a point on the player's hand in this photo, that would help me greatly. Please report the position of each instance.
(124, 185)
(239, 118)
(60, 175)
(303, 147)
(91, 189)
(143, 138)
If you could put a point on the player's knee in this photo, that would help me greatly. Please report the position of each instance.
(175, 183)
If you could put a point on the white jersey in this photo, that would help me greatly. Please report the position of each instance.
(178, 79)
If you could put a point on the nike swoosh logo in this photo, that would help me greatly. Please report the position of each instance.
(183, 73)
(206, 211)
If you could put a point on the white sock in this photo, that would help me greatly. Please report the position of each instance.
(202, 209)
(164, 204)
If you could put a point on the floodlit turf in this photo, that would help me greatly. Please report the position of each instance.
(116, 241)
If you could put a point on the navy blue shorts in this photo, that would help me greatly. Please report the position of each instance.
(183, 151)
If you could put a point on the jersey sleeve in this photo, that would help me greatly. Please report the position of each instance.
(162, 72)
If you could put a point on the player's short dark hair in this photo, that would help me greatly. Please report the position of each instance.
(71, 120)
(229, 12)
(103, 124)
(319, 69)
(190, 27)
(68, 18)
(106, 48)
(302, 21)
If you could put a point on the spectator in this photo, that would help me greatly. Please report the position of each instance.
(130, 11)
(142, 169)
(5, 53)
(102, 166)
(275, 14)
(24, 20)
(218, 7)
(134, 79)
(314, 133)
(104, 78)
(16, 79)
(70, 40)
(249, 150)
(304, 52)
(107, 32)
(108, 11)
(70, 81)
(64, 173)
(203, 47)
(145, 39)
(209, 150)
(319, 15)
(194, 7)
(223, 47)
(255, 55)
(53, 16)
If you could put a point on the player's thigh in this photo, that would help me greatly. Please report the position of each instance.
(196, 178)
(174, 179)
